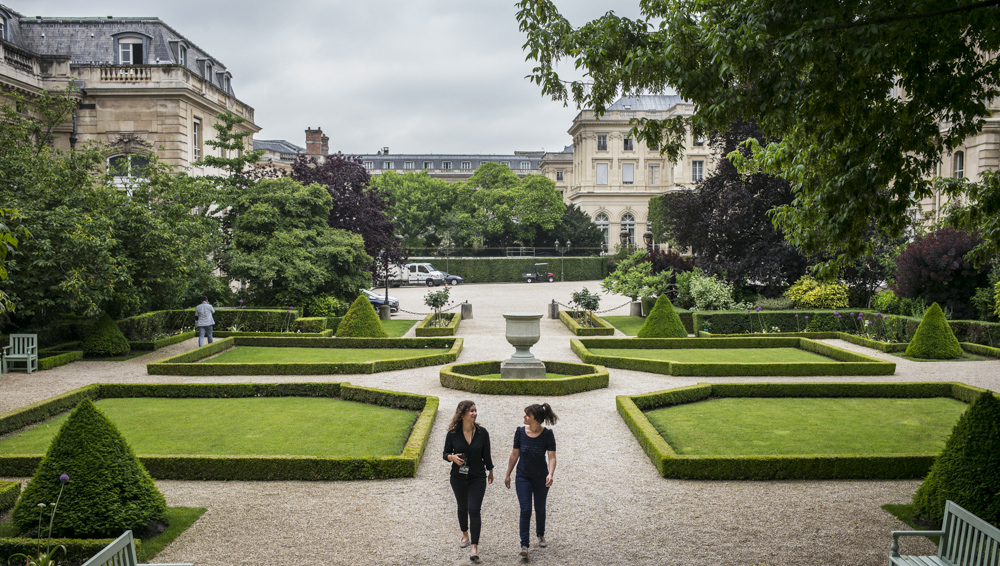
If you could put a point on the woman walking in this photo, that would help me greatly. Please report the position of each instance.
(532, 443)
(467, 447)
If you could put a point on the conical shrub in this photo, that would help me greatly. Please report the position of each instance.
(968, 469)
(934, 339)
(361, 321)
(105, 339)
(663, 321)
(108, 491)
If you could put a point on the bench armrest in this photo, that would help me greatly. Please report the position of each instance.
(894, 549)
(6, 349)
(166, 565)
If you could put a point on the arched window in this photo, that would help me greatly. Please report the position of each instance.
(603, 224)
(3, 27)
(959, 165)
(628, 225)
(130, 51)
(127, 166)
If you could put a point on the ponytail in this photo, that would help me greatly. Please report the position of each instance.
(542, 413)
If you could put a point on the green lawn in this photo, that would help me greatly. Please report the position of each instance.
(759, 426)
(266, 355)
(629, 325)
(266, 426)
(716, 355)
(397, 328)
(497, 376)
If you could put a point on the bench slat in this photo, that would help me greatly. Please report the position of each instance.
(920, 561)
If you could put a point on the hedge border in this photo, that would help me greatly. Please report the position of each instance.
(245, 467)
(59, 359)
(585, 377)
(423, 331)
(850, 466)
(163, 342)
(78, 550)
(887, 347)
(980, 349)
(603, 327)
(849, 363)
(9, 492)
(187, 362)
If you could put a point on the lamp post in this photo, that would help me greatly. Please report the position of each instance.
(625, 237)
(562, 251)
(648, 238)
(447, 248)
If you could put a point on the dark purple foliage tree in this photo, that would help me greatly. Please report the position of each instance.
(357, 207)
(934, 267)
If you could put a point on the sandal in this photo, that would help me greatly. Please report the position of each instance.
(464, 543)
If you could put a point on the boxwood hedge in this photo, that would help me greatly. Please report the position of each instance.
(850, 466)
(244, 468)
(9, 491)
(78, 551)
(600, 328)
(887, 347)
(583, 377)
(454, 319)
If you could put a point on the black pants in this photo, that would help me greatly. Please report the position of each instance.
(469, 494)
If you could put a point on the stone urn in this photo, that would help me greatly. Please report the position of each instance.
(523, 332)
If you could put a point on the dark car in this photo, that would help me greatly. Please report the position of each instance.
(452, 279)
(378, 299)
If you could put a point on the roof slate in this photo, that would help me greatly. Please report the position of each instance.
(648, 102)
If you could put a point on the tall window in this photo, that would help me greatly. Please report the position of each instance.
(125, 166)
(369, 164)
(602, 173)
(208, 71)
(654, 175)
(407, 165)
(628, 173)
(196, 139)
(628, 225)
(602, 142)
(603, 224)
(697, 171)
(959, 165)
(3, 28)
(446, 165)
(559, 175)
(466, 165)
(130, 51)
(505, 163)
(388, 165)
(525, 165)
(428, 164)
(182, 55)
(628, 144)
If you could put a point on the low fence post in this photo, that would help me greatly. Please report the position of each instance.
(554, 309)
(466, 310)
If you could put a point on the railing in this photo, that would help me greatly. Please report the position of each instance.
(18, 58)
(126, 74)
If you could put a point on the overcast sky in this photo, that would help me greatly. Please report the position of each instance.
(418, 76)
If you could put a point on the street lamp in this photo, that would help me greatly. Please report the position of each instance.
(625, 237)
(648, 238)
(562, 251)
(447, 248)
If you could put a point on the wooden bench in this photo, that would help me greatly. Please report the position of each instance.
(966, 540)
(22, 348)
(121, 553)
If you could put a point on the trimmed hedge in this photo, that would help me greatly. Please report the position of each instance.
(934, 339)
(9, 492)
(742, 322)
(105, 339)
(164, 342)
(56, 359)
(584, 377)
(361, 321)
(143, 327)
(508, 269)
(186, 363)
(602, 328)
(247, 468)
(663, 322)
(227, 334)
(887, 347)
(849, 363)
(422, 330)
(312, 325)
(851, 466)
(981, 350)
(78, 551)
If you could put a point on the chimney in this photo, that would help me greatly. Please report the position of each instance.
(325, 145)
(314, 141)
(385, 150)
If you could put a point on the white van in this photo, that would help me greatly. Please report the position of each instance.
(415, 274)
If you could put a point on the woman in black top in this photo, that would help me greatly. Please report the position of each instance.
(467, 447)
(532, 443)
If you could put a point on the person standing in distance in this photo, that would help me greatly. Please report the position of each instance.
(467, 447)
(203, 320)
(532, 443)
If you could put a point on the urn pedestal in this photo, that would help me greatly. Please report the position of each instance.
(523, 332)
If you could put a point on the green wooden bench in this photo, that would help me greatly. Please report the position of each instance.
(22, 348)
(121, 553)
(966, 540)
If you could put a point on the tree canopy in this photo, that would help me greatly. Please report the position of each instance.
(856, 93)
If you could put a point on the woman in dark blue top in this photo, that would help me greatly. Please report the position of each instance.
(467, 447)
(532, 443)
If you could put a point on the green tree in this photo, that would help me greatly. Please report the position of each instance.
(855, 92)
(428, 211)
(511, 210)
(284, 248)
(8, 245)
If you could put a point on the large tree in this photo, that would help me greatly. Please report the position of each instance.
(575, 227)
(428, 211)
(510, 210)
(856, 92)
(724, 220)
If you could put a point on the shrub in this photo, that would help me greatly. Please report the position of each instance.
(325, 306)
(683, 283)
(968, 469)
(108, 492)
(663, 322)
(996, 298)
(808, 293)
(712, 294)
(934, 339)
(361, 321)
(886, 302)
(915, 307)
(934, 267)
(775, 304)
(105, 339)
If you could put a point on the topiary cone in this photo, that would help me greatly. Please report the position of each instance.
(968, 469)
(105, 339)
(108, 491)
(361, 321)
(663, 321)
(934, 339)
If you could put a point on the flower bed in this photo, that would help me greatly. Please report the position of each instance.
(452, 320)
(599, 328)
(470, 377)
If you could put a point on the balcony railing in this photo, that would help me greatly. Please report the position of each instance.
(127, 74)
(18, 58)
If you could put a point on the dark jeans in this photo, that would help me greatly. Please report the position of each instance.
(469, 494)
(526, 489)
(201, 334)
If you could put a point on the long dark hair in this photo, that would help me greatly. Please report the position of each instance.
(456, 421)
(542, 413)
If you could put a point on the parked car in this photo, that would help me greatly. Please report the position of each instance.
(413, 274)
(378, 299)
(452, 279)
(538, 272)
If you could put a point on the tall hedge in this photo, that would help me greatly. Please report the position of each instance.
(968, 469)
(108, 491)
(934, 339)
(508, 269)
(663, 322)
(361, 321)
(105, 339)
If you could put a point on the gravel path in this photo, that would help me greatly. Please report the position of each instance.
(607, 505)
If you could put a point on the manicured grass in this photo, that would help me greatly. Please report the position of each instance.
(397, 328)
(716, 355)
(628, 325)
(778, 426)
(265, 355)
(547, 376)
(265, 426)
(179, 519)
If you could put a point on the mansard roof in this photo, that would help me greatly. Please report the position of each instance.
(648, 102)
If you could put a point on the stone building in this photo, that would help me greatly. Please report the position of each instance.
(140, 85)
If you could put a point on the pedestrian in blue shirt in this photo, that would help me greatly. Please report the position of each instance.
(203, 320)
(467, 447)
(533, 445)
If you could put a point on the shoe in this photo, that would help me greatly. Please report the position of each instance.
(464, 544)
(541, 542)
(524, 551)
(474, 557)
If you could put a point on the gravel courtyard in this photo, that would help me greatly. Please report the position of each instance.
(607, 504)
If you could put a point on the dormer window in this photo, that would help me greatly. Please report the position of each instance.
(3, 28)
(208, 71)
(130, 51)
(182, 55)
